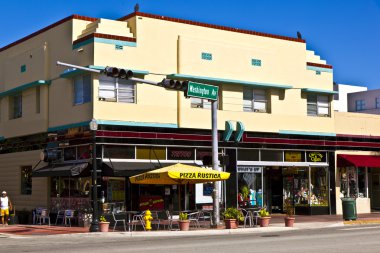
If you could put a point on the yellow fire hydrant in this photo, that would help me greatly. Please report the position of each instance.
(148, 217)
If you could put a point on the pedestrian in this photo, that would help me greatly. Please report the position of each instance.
(5, 205)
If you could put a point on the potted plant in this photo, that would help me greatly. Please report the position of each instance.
(184, 222)
(232, 217)
(264, 217)
(289, 210)
(103, 224)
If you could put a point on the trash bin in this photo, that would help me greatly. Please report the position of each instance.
(349, 208)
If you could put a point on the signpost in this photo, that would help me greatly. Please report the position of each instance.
(201, 90)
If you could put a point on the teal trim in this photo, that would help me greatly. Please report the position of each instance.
(23, 68)
(306, 133)
(213, 80)
(24, 87)
(228, 130)
(105, 41)
(319, 91)
(2, 138)
(64, 127)
(319, 69)
(68, 73)
(131, 123)
(256, 62)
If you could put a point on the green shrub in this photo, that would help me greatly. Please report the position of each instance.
(233, 213)
(102, 219)
(263, 212)
(183, 216)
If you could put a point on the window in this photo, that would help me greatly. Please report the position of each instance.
(118, 47)
(318, 105)
(116, 90)
(82, 89)
(200, 103)
(254, 100)
(359, 105)
(38, 99)
(15, 106)
(256, 62)
(207, 56)
(23, 68)
(26, 180)
(378, 103)
(318, 72)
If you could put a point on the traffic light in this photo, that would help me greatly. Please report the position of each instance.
(50, 155)
(175, 84)
(118, 73)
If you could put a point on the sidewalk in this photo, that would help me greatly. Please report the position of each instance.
(276, 225)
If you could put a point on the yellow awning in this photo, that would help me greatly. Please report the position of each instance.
(179, 174)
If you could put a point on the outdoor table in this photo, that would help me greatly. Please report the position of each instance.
(254, 211)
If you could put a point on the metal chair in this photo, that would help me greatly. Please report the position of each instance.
(118, 220)
(194, 218)
(248, 216)
(60, 215)
(44, 215)
(172, 219)
(36, 214)
(138, 219)
(69, 214)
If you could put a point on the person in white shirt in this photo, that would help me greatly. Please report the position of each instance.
(5, 205)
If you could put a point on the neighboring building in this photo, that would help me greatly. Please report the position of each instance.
(364, 102)
(280, 91)
(340, 99)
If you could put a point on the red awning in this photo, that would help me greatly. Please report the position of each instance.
(359, 160)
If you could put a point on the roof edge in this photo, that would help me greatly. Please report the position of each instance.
(75, 16)
(226, 28)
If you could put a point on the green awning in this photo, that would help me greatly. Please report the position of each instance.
(331, 92)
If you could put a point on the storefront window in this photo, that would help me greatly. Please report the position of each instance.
(250, 189)
(248, 155)
(319, 187)
(272, 155)
(362, 185)
(348, 182)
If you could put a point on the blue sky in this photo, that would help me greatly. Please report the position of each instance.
(346, 33)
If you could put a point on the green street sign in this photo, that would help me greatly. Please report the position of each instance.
(201, 90)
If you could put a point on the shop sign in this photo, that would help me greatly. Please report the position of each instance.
(207, 189)
(181, 154)
(293, 156)
(151, 203)
(248, 169)
(316, 157)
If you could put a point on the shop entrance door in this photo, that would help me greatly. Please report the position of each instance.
(375, 190)
(276, 190)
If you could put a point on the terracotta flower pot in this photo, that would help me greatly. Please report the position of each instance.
(184, 225)
(104, 226)
(289, 221)
(264, 221)
(231, 223)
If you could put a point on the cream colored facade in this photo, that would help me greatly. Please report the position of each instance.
(162, 47)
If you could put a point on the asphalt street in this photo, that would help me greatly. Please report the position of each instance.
(337, 239)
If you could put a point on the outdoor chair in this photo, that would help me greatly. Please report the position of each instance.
(156, 219)
(43, 215)
(138, 219)
(205, 216)
(69, 214)
(36, 214)
(118, 220)
(194, 218)
(172, 219)
(60, 215)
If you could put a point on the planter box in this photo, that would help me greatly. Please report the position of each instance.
(264, 221)
(289, 221)
(231, 223)
(104, 226)
(184, 225)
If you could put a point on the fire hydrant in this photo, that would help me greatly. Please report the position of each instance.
(148, 217)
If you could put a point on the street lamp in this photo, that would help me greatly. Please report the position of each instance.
(95, 222)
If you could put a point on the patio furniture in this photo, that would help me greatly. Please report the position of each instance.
(118, 220)
(172, 219)
(69, 214)
(194, 218)
(60, 215)
(43, 215)
(138, 219)
(36, 214)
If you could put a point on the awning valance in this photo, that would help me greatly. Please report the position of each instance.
(359, 160)
(61, 170)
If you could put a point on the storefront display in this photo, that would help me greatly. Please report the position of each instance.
(250, 193)
(306, 187)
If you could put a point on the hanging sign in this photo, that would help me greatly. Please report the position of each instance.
(248, 169)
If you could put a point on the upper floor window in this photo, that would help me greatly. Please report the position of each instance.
(38, 99)
(117, 90)
(15, 106)
(318, 105)
(82, 89)
(359, 105)
(378, 103)
(254, 100)
(200, 103)
(256, 62)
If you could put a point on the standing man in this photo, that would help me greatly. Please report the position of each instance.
(5, 205)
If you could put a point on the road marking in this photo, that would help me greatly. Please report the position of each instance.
(362, 228)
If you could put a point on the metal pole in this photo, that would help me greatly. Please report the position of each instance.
(95, 222)
(215, 161)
